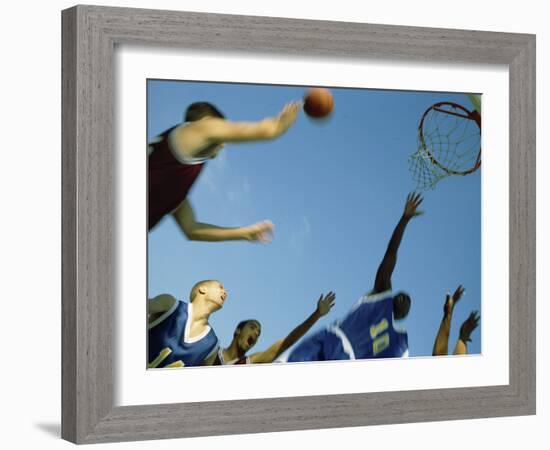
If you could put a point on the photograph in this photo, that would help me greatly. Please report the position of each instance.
(306, 224)
(294, 223)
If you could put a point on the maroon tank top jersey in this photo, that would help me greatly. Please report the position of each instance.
(220, 361)
(169, 178)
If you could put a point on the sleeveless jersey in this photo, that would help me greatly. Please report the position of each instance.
(169, 177)
(367, 331)
(220, 361)
(169, 344)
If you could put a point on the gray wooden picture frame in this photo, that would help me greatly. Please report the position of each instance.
(90, 34)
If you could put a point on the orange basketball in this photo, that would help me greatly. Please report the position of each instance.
(318, 103)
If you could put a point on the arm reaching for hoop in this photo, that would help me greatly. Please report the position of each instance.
(385, 270)
(441, 344)
(324, 305)
(195, 136)
(220, 130)
(469, 325)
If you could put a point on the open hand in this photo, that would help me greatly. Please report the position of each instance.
(288, 115)
(259, 232)
(325, 304)
(451, 300)
(411, 206)
(469, 325)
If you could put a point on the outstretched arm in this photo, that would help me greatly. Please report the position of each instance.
(220, 130)
(324, 305)
(469, 325)
(385, 270)
(212, 130)
(441, 344)
(197, 231)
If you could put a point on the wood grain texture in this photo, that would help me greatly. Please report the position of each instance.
(89, 37)
(523, 225)
(68, 225)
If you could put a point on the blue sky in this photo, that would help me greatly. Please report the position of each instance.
(335, 190)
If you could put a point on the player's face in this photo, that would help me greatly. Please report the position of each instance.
(401, 306)
(248, 335)
(216, 293)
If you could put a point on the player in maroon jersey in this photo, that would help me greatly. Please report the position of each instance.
(177, 156)
(248, 331)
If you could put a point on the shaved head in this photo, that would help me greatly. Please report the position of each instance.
(195, 289)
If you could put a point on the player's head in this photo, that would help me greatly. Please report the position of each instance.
(200, 110)
(209, 291)
(401, 305)
(246, 334)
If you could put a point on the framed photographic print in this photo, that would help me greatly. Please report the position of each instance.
(318, 232)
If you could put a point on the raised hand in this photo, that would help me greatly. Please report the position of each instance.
(288, 116)
(259, 232)
(411, 206)
(325, 304)
(451, 300)
(469, 325)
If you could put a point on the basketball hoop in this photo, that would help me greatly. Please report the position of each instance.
(449, 143)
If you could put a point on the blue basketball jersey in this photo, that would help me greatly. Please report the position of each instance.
(367, 331)
(169, 344)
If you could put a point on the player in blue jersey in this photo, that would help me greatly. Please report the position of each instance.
(179, 333)
(441, 344)
(247, 333)
(368, 330)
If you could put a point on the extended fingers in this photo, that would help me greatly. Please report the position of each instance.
(262, 231)
(265, 225)
(327, 299)
(292, 107)
(472, 322)
(458, 293)
(414, 199)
